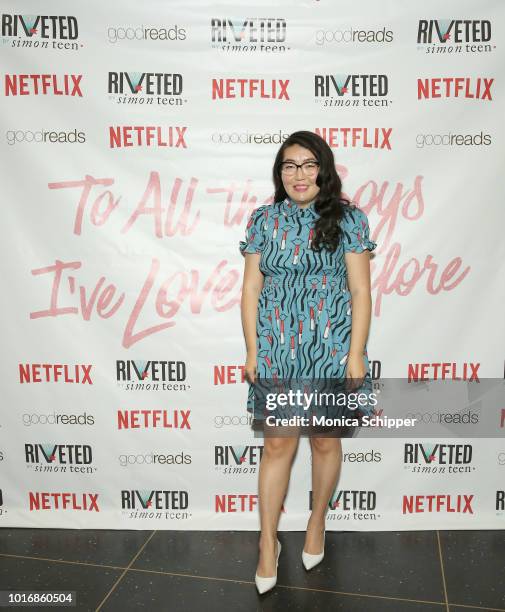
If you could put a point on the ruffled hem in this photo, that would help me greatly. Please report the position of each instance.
(244, 248)
(366, 245)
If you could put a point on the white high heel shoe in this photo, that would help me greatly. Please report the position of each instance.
(265, 583)
(309, 561)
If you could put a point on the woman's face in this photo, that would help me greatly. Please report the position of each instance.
(301, 186)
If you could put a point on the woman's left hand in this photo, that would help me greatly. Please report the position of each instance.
(355, 372)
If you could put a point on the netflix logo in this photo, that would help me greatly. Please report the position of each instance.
(443, 371)
(43, 85)
(63, 501)
(229, 374)
(123, 136)
(416, 504)
(153, 419)
(356, 137)
(235, 502)
(478, 88)
(266, 89)
(55, 372)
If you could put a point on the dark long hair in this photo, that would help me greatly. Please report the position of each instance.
(329, 202)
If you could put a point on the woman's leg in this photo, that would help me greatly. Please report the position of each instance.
(274, 472)
(326, 463)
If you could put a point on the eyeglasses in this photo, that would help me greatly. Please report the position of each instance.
(309, 168)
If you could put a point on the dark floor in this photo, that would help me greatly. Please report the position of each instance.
(405, 571)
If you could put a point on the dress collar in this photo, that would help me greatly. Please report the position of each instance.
(290, 208)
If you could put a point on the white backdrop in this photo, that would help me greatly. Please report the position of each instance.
(121, 255)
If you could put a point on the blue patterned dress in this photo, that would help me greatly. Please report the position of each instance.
(304, 309)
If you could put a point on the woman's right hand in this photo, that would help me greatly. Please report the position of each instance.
(250, 367)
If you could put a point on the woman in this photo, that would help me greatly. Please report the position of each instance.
(306, 260)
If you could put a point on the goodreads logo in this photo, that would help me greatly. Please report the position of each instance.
(52, 418)
(155, 459)
(223, 420)
(150, 33)
(44, 136)
(453, 140)
(250, 138)
(354, 36)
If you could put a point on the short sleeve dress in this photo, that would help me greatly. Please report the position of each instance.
(303, 325)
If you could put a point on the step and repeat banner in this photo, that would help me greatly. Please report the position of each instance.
(136, 141)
